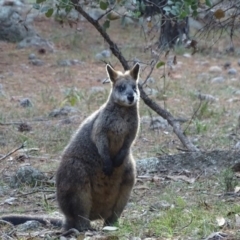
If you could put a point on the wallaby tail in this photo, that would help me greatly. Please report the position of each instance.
(19, 219)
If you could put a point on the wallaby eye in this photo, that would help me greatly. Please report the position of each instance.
(134, 87)
(121, 88)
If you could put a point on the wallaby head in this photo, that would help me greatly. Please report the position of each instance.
(124, 86)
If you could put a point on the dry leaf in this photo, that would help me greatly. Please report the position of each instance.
(113, 16)
(219, 13)
(220, 221)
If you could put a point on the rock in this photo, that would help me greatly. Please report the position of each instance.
(64, 111)
(159, 123)
(32, 56)
(29, 225)
(103, 55)
(147, 166)
(36, 62)
(151, 91)
(64, 63)
(27, 175)
(37, 42)
(236, 92)
(150, 80)
(218, 80)
(206, 97)
(75, 62)
(237, 145)
(25, 102)
(215, 69)
(232, 71)
(187, 55)
(227, 65)
(13, 28)
(239, 62)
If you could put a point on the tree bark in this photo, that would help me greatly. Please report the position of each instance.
(148, 101)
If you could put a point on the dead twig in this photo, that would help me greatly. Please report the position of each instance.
(13, 151)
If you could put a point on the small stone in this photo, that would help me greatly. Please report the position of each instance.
(32, 56)
(26, 102)
(147, 165)
(159, 123)
(64, 111)
(36, 62)
(232, 71)
(237, 146)
(64, 63)
(187, 55)
(103, 55)
(227, 65)
(150, 80)
(236, 92)
(206, 97)
(29, 225)
(151, 91)
(218, 80)
(75, 62)
(215, 69)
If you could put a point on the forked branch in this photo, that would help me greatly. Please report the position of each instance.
(148, 101)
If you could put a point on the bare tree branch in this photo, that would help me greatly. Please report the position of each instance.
(148, 101)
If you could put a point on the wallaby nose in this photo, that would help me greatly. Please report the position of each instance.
(130, 98)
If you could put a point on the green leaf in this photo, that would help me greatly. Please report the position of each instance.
(106, 25)
(40, 1)
(160, 64)
(49, 12)
(208, 3)
(103, 5)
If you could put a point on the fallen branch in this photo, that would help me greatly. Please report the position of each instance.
(148, 101)
(13, 151)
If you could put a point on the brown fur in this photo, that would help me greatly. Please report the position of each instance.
(97, 172)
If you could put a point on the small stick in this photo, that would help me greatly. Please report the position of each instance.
(13, 151)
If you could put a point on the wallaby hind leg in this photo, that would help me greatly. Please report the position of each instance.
(123, 196)
(76, 211)
(74, 196)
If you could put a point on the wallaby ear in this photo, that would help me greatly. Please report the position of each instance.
(134, 72)
(112, 74)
